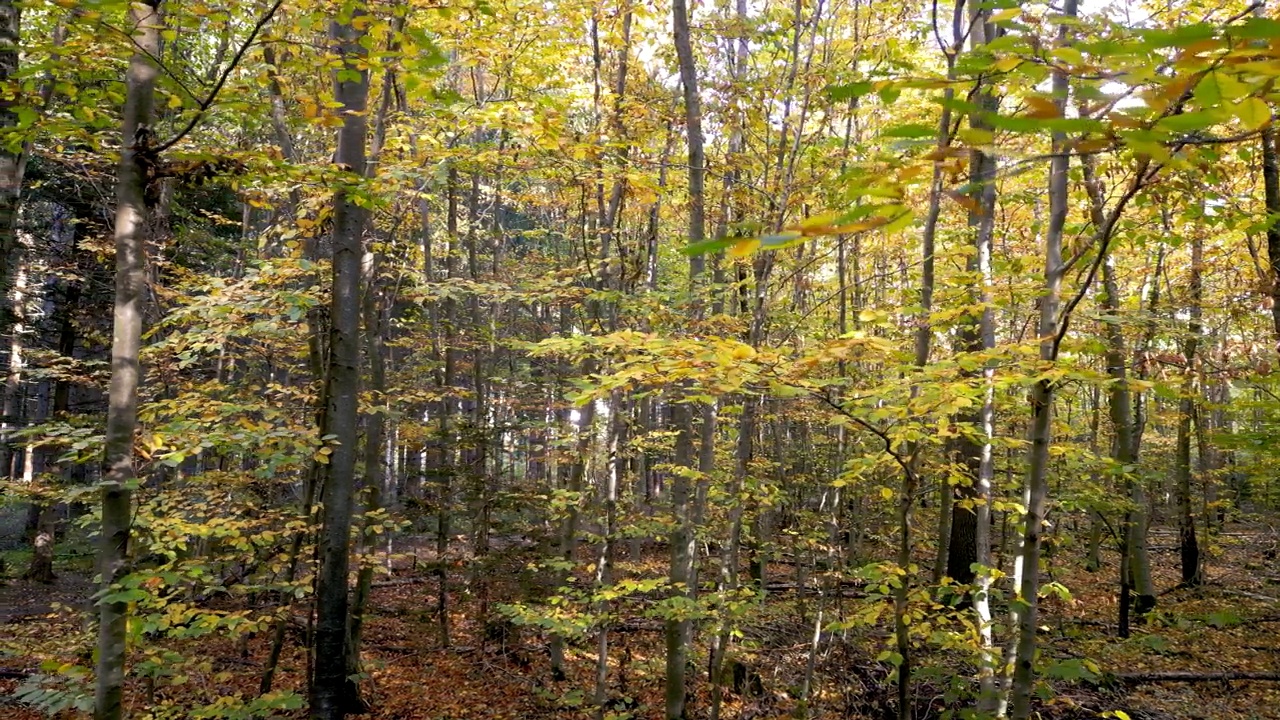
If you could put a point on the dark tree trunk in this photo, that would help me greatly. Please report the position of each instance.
(333, 693)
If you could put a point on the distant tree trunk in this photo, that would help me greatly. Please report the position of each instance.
(333, 693)
(1188, 543)
(447, 453)
(122, 416)
(1135, 568)
(604, 563)
(1093, 558)
(43, 544)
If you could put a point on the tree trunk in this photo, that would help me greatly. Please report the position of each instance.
(374, 440)
(11, 162)
(678, 630)
(118, 475)
(978, 334)
(333, 693)
(1271, 204)
(1026, 605)
(1135, 570)
(1188, 543)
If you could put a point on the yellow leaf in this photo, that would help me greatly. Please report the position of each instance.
(1042, 108)
(818, 221)
(743, 248)
(976, 136)
(1253, 113)
(860, 226)
(1006, 14)
(1006, 64)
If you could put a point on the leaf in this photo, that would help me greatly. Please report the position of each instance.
(1188, 122)
(857, 227)
(976, 136)
(1257, 28)
(707, 246)
(1007, 64)
(1006, 14)
(743, 248)
(1041, 107)
(1253, 113)
(1218, 86)
(849, 91)
(1207, 91)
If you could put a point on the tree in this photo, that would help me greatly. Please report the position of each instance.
(333, 692)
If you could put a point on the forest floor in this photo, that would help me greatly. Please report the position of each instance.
(1230, 625)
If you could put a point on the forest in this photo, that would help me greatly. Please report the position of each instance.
(639, 359)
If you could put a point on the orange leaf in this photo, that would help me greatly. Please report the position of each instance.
(1041, 107)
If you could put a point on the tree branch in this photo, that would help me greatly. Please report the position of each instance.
(222, 79)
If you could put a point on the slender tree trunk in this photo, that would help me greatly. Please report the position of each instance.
(118, 474)
(333, 693)
(1135, 569)
(11, 162)
(1188, 543)
(978, 334)
(1271, 204)
(41, 569)
(679, 630)
(604, 563)
(11, 405)
(1026, 605)
(374, 441)
(1093, 558)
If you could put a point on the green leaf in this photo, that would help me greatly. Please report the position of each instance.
(1208, 91)
(707, 246)
(1189, 122)
(1257, 28)
(849, 91)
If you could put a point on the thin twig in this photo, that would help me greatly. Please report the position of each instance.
(222, 79)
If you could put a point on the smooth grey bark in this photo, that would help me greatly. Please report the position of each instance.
(11, 405)
(118, 476)
(678, 631)
(1093, 557)
(333, 693)
(1026, 605)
